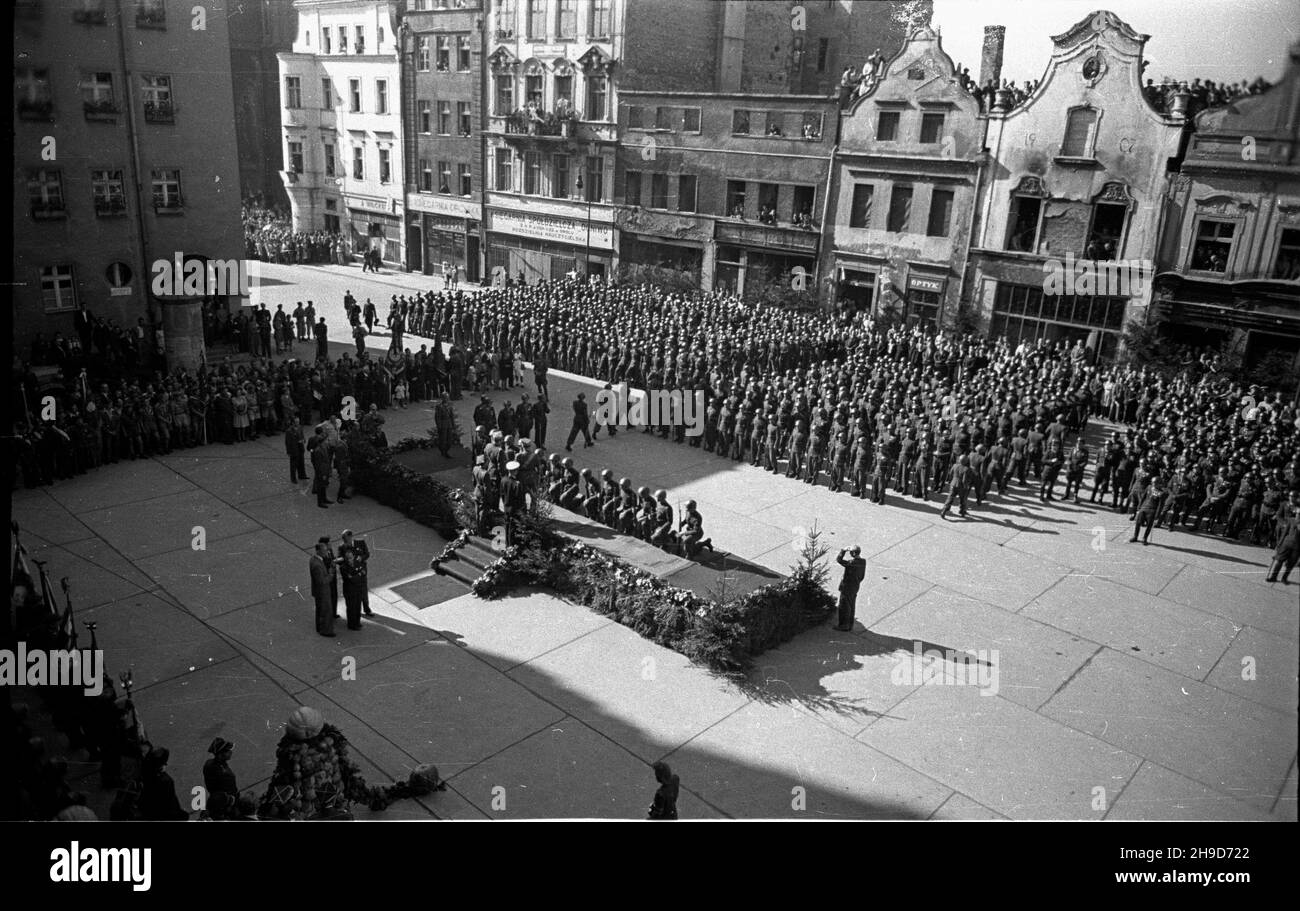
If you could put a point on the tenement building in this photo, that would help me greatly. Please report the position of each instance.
(1229, 264)
(1069, 216)
(442, 82)
(550, 136)
(123, 157)
(903, 189)
(341, 117)
(259, 30)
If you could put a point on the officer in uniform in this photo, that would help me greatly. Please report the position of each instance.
(663, 520)
(959, 481)
(798, 446)
(514, 501)
(691, 539)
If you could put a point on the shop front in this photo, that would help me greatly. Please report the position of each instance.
(535, 247)
(443, 234)
(923, 303)
(373, 226)
(762, 253)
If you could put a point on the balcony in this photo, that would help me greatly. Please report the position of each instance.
(104, 110)
(48, 211)
(159, 112)
(40, 109)
(109, 206)
(536, 122)
(90, 16)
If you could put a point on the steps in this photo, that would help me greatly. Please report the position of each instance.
(468, 563)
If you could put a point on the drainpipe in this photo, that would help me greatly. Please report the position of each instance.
(132, 132)
(975, 221)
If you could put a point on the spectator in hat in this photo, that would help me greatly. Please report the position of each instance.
(219, 780)
(323, 575)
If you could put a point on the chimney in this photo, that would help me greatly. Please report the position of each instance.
(995, 36)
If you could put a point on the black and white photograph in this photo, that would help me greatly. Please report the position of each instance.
(655, 410)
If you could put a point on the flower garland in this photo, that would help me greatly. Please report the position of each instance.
(452, 546)
(493, 581)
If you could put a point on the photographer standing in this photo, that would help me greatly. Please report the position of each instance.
(855, 570)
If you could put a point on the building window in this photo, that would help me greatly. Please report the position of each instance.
(97, 93)
(1213, 248)
(385, 166)
(533, 89)
(294, 162)
(422, 57)
(690, 120)
(537, 20)
(426, 175)
(505, 94)
(1022, 313)
(505, 178)
(664, 118)
(601, 14)
(358, 163)
(463, 63)
(1026, 216)
(532, 172)
(89, 12)
(35, 102)
(442, 53)
(118, 275)
(58, 291)
(563, 91)
(560, 176)
(466, 180)
(566, 19)
(381, 96)
(922, 308)
(812, 126)
(736, 198)
(740, 122)
(343, 39)
(109, 192)
(444, 177)
(354, 91)
(860, 209)
(45, 192)
(659, 191)
(157, 92)
(426, 116)
(329, 159)
(326, 44)
(931, 127)
(292, 92)
(686, 192)
(596, 86)
(507, 15)
(940, 213)
(595, 189)
(326, 94)
(464, 119)
(768, 194)
(150, 14)
(805, 198)
(1286, 265)
(444, 118)
(166, 185)
(823, 51)
(361, 39)
(1107, 232)
(887, 126)
(632, 190)
(900, 210)
(1080, 132)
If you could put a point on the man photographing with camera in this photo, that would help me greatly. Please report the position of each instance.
(855, 570)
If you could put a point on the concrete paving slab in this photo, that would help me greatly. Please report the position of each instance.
(397, 551)
(1032, 660)
(89, 583)
(506, 632)
(1285, 807)
(1006, 757)
(232, 573)
(440, 700)
(1121, 563)
(844, 520)
(960, 807)
(39, 514)
(1271, 608)
(251, 479)
(1170, 635)
(153, 639)
(299, 519)
(979, 569)
(1261, 667)
(166, 524)
(645, 697)
(127, 482)
(1235, 746)
(568, 771)
(775, 762)
(1157, 793)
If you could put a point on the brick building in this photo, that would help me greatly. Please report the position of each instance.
(551, 72)
(341, 117)
(442, 91)
(124, 156)
(903, 189)
(1228, 267)
(1080, 173)
(259, 30)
